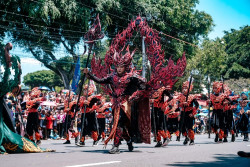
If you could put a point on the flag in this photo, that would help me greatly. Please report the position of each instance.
(77, 75)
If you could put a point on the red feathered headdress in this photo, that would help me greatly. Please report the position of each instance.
(123, 60)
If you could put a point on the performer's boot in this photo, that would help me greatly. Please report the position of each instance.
(114, 150)
(191, 136)
(158, 138)
(67, 139)
(165, 142)
(158, 144)
(233, 136)
(178, 136)
(186, 140)
(221, 135)
(225, 138)
(166, 136)
(76, 140)
(31, 138)
(216, 137)
(95, 138)
(130, 145)
(82, 142)
(103, 136)
(245, 137)
(38, 138)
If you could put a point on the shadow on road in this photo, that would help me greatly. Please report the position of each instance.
(221, 160)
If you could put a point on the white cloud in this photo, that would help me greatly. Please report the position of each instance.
(30, 61)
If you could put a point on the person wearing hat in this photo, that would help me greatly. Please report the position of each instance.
(244, 112)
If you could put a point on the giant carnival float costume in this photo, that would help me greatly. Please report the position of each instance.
(188, 104)
(130, 92)
(11, 142)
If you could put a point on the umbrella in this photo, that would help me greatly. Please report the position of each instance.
(205, 110)
(48, 103)
(66, 91)
(25, 88)
(201, 114)
(44, 88)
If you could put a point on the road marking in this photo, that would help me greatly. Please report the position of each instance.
(95, 164)
(248, 145)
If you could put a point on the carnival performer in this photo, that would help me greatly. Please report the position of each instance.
(130, 93)
(69, 106)
(244, 112)
(101, 117)
(172, 111)
(218, 116)
(190, 110)
(229, 105)
(33, 116)
(124, 83)
(89, 107)
(160, 119)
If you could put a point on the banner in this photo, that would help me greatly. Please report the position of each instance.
(77, 75)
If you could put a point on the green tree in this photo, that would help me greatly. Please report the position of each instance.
(43, 27)
(42, 78)
(238, 50)
(210, 59)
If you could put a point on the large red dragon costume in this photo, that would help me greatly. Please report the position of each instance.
(161, 75)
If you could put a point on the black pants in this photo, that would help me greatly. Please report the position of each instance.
(67, 123)
(90, 123)
(219, 120)
(32, 123)
(188, 122)
(172, 124)
(60, 129)
(101, 124)
(243, 123)
(159, 119)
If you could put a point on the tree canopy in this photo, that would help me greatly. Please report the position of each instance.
(238, 50)
(46, 27)
(42, 78)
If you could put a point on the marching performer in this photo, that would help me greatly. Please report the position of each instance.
(189, 107)
(160, 119)
(244, 112)
(172, 112)
(218, 116)
(89, 106)
(33, 116)
(101, 117)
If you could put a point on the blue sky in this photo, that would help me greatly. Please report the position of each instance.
(227, 14)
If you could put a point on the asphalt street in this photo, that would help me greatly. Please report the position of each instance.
(204, 153)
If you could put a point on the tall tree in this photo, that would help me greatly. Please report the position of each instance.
(238, 50)
(43, 27)
(210, 59)
(42, 78)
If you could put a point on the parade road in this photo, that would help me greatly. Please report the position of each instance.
(204, 153)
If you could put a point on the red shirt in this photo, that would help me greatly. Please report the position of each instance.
(49, 122)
